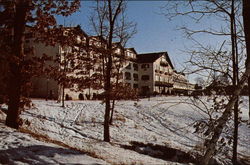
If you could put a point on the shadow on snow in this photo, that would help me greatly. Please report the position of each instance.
(35, 154)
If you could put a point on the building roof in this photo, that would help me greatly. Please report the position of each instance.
(152, 57)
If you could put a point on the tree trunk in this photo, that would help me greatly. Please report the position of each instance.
(108, 86)
(107, 100)
(63, 95)
(246, 21)
(112, 112)
(249, 100)
(113, 102)
(235, 81)
(111, 19)
(235, 136)
(14, 84)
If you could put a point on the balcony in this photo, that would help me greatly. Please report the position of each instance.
(163, 84)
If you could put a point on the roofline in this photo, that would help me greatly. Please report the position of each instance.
(152, 53)
(163, 53)
(133, 49)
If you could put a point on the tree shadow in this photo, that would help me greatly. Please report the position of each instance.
(37, 154)
(163, 152)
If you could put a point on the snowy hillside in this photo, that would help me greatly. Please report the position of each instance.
(144, 132)
(20, 148)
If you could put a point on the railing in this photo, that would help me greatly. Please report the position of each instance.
(162, 83)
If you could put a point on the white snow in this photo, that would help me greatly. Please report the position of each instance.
(22, 149)
(166, 121)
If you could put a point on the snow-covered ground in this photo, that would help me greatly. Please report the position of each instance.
(163, 121)
(20, 148)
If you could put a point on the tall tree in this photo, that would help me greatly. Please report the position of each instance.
(225, 116)
(109, 24)
(14, 90)
(15, 16)
(246, 21)
(235, 62)
(213, 61)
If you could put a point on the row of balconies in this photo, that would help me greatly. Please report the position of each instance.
(183, 86)
(163, 83)
(162, 72)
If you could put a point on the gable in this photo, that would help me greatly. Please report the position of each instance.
(152, 57)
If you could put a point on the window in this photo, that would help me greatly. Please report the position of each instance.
(145, 77)
(128, 84)
(135, 76)
(120, 75)
(164, 63)
(127, 76)
(128, 66)
(135, 66)
(72, 64)
(135, 86)
(145, 90)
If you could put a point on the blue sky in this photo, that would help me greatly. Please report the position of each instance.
(155, 33)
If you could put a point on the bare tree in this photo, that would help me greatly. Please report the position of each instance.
(217, 61)
(110, 23)
(246, 16)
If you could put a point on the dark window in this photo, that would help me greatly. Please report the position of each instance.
(145, 77)
(128, 84)
(80, 96)
(135, 66)
(135, 86)
(72, 64)
(164, 63)
(135, 76)
(145, 90)
(120, 76)
(129, 66)
(127, 76)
